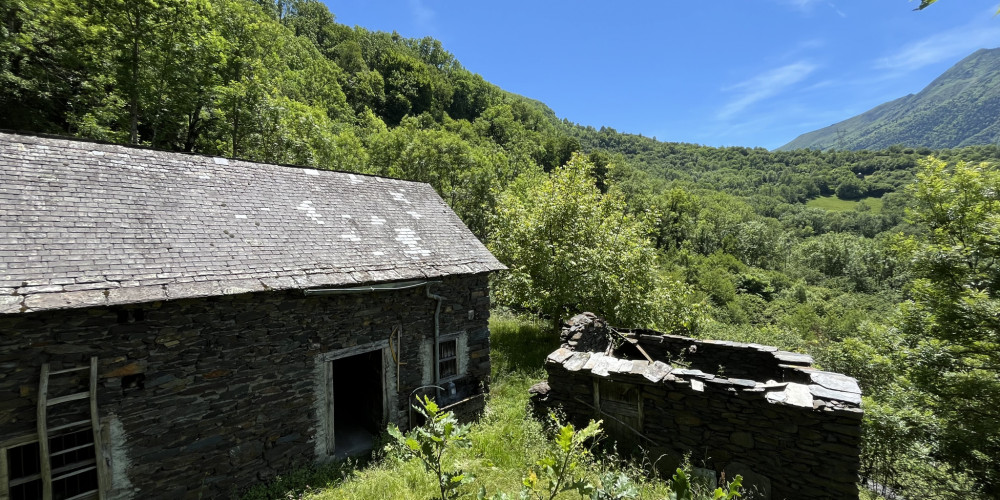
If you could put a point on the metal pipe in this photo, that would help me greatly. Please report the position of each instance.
(385, 287)
(409, 412)
(437, 333)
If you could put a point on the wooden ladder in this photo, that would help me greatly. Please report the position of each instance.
(45, 457)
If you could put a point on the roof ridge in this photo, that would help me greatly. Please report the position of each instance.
(141, 147)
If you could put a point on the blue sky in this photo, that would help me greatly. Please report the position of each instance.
(720, 72)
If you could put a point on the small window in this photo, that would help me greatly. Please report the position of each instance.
(135, 315)
(24, 475)
(74, 471)
(448, 358)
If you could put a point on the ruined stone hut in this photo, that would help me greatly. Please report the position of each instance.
(790, 430)
(181, 326)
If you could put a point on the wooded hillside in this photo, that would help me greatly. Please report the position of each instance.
(895, 283)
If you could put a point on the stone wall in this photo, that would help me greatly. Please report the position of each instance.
(792, 431)
(204, 397)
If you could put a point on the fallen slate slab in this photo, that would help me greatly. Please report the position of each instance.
(657, 371)
(794, 394)
(798, 395)
(592, 362)
(603, 366)
(559, 355)
(793, 358)
(824, 393)
(577, 361)
(835, 381)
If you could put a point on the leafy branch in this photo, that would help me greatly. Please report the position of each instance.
(429, 442)
(557, 472)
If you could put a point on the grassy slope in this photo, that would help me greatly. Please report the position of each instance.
(505, 442)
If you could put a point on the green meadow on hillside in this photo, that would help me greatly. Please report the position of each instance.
(834, 204)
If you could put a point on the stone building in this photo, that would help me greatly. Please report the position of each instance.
(790, 430)
(182, 326)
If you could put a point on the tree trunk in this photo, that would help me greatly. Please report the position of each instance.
(134, 91)
(194, 120)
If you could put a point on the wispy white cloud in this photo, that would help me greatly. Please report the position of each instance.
(769, 129)
(801, 5)
(423, 16)
(765, 85)
(812, 43)
(808, 6)
(837, 10)
(822, 84)
(802, 49)
(940, 47)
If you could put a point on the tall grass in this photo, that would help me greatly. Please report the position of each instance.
(506, 441)
(519, 344)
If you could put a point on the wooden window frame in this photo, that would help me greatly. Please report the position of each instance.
(5, 467)
(453, 358)
(382, 347)
(33, 438)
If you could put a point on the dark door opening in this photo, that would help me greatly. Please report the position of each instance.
(357, 402)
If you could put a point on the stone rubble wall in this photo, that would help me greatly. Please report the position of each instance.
(205, 397)
(792, 431)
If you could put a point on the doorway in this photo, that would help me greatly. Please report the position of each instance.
(622, 405)
(357, 402)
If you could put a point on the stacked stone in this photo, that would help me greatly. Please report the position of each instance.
(206, 396)
(585, 332)
(800, 430)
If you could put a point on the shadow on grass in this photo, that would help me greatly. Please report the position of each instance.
(519, 344)
(301, 482)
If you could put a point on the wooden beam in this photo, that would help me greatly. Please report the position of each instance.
(43, 433)
(95, 423)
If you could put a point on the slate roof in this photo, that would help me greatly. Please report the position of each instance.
(87, 224)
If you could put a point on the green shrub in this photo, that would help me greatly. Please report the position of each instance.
(429, 441)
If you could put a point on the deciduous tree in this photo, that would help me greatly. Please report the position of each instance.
(953, 316)
(570, 249)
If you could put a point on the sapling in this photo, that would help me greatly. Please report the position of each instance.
(681, 489)
(428, 443)
(557, 471)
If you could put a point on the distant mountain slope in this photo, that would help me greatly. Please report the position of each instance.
(959, 108)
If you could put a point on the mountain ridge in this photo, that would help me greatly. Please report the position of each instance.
(961, 107)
